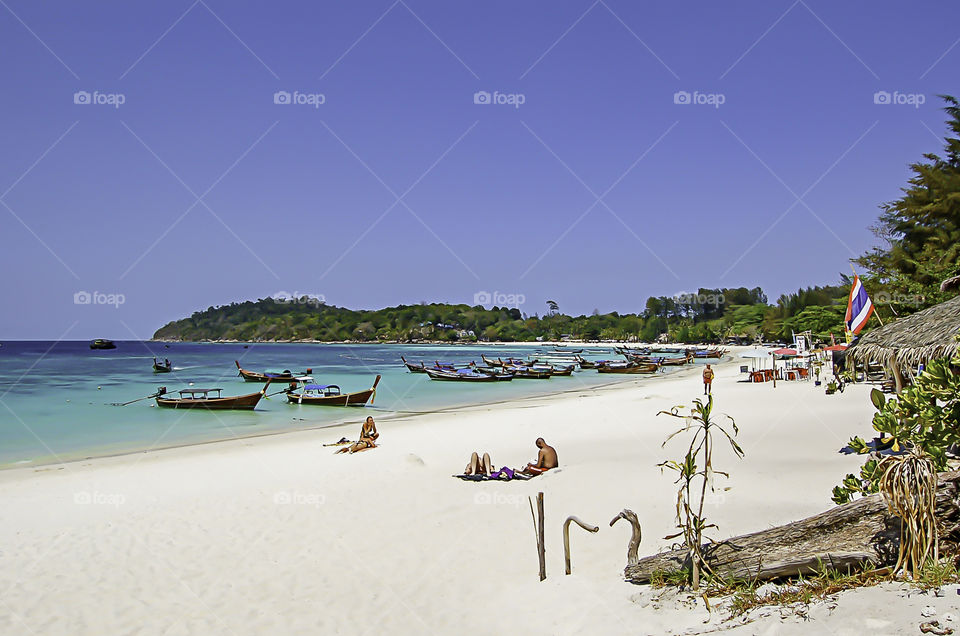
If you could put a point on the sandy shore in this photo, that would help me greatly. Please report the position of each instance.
(277, 535)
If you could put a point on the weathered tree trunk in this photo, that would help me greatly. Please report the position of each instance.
(843, 537)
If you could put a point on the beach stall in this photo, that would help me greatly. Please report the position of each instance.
(761, 368)
(904, 345)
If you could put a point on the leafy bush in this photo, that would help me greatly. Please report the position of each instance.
(925, 416)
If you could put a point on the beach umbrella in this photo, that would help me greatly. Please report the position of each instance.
(785, 352)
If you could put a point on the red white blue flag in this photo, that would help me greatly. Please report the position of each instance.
(859, 307)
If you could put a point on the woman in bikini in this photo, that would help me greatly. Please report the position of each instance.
(368, 438)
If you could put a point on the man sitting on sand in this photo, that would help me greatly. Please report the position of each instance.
(479, 465)
(546, 459)
(368, 438)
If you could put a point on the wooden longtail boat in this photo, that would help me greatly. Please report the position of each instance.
(710, 353)
(463, 375)
(586, 364)
(530, 373)
(330, 395)
(283, 376)
(562, 371)
(677, 362)
(413, 368)
(496, 372)
(102, 343)
(162, 367)
(201, 399)
(628, 368)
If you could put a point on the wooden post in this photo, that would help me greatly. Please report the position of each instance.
(566, 537)
(540, 546)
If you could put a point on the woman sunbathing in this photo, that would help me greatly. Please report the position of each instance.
(479, 465)
(368, 438)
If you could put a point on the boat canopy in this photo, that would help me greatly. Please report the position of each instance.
(320, 387)
(204, 391)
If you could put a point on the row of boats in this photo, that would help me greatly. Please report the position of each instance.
(559, 364)
(301, 389)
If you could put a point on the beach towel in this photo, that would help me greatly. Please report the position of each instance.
(504, 474)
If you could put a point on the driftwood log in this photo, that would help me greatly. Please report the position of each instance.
(844, 537)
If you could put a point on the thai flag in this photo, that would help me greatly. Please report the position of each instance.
(859, 307)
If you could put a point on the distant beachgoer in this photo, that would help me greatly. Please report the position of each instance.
(546, 459)
(368, 438)
(707, 379)
(479, 465)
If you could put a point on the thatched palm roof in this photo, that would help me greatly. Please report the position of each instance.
(923, 336)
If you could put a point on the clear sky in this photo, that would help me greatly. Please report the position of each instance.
(619, 150)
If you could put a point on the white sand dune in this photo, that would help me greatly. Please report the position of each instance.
(277, 535)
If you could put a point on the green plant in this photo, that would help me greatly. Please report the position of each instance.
(925, 416)
(695, 474)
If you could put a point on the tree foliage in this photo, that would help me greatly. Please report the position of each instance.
(920, 231)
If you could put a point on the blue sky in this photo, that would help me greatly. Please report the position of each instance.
(596, 191)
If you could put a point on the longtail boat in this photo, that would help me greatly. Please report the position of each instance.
(629, 367)
(677, 362)
(709, 353)
(102, 343)
(562, 371)
(330, 395)
(586, 364)
(462, 375)
(162, 367)
(530, 373)
(202, 399)
(280, 376)
(498, 373)
(413, 368)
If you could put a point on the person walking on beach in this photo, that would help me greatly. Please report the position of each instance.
(368, 437)
(707, 379)
(546, 459)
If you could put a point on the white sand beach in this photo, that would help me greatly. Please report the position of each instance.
(277, 535)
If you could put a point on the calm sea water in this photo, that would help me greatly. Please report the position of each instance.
(55, 398)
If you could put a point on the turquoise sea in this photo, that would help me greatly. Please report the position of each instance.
(55, 398)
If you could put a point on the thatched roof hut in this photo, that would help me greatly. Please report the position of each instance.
(921, 337)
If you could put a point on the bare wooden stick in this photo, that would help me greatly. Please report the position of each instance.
(566, 537)
(540, 538)
(635, 535)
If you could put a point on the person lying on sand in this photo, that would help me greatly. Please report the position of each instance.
(479, 465)
(368, 438)
(546, 459)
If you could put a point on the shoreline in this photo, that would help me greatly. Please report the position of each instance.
(386, 416)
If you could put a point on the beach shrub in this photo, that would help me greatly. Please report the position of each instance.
(925, 417)
(695, 476)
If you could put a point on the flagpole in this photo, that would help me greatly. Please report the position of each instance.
(875, 313)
